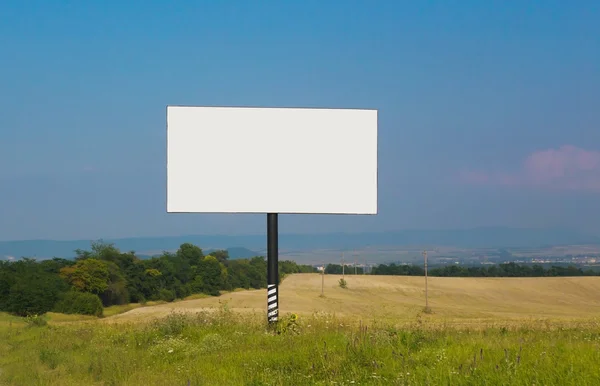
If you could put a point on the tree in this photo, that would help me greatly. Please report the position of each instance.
(54, 265)
(116, 292)
(7, 280)
(100, 250)
(209, 271)
(237, 274)
(34, 293)
(190, 252)
(257, 272)
(89, 275)
(181, 265)
(222, 255)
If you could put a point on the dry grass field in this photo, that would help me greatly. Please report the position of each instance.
(402, 298)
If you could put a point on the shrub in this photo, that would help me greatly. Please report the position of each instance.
(34, 294)
(166, 295)
(36, 321)
(172, 325)
(288, 324)
(82, 303)
(343, 283)
(136, 296)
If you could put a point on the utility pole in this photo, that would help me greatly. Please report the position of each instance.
(343, 267)
(424, 253)
(323, 281)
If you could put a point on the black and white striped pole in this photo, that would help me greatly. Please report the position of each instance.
(272, 268)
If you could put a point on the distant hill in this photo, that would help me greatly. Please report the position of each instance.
(468, 238)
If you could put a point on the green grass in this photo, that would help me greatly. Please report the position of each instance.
(197, 296)
(115, 310)
(226, 348)
(120, 309)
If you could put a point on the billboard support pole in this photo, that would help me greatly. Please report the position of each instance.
(272, 268)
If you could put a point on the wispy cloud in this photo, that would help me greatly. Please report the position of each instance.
(566, 168)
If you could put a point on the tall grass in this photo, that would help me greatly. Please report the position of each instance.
(225, 348)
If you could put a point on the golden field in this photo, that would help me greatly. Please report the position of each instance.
(402, 298)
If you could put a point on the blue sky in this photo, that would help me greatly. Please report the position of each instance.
(488, 111)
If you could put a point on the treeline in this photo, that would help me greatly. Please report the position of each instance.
(500, 270)
(105, 276)
(336, 269)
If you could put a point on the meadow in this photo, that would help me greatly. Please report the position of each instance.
(398, 299)
(488, 331)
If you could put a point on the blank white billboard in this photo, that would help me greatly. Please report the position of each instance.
(271, 160)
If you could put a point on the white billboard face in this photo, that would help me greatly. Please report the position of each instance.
(271, 160)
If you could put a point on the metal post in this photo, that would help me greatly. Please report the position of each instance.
(323, 281)
(272, 268)
(426, 294)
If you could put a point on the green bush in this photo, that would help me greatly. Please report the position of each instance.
(82, 303)
(343, 283)
(36, 321)
(136, 296)
(34, 293)
(166, 295)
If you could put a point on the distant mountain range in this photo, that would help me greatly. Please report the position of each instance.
(250, 245)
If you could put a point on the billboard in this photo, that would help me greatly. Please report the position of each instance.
(271, 160)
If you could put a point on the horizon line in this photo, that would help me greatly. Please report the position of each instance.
(312, 234)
